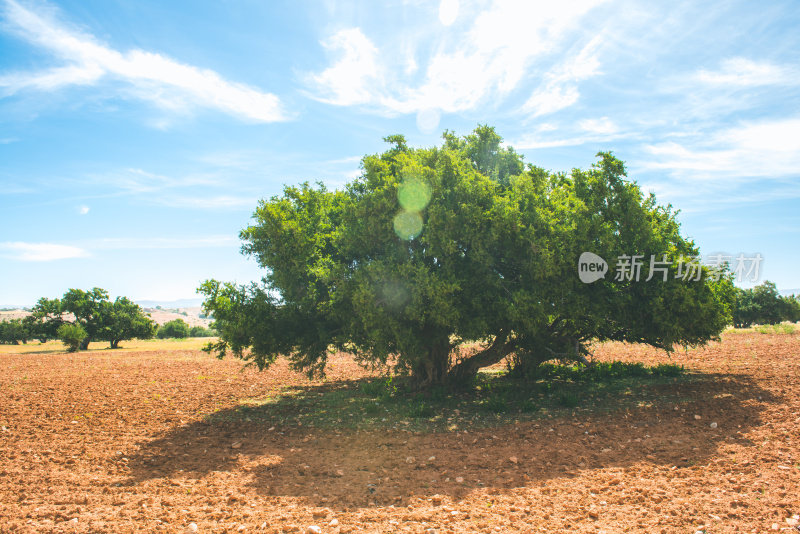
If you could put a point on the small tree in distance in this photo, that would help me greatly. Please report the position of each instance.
(14, 332)
(123, 319)
(199, 331)
(99, 318)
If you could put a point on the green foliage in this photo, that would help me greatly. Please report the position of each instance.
(99, 318)
(568, 400)
(87, 308)
(418, 408)
(177, 328)
(430, 248)
(199, 331)
(45, 319)
(72, 335)
(763, 305)
(14, 332)
(602, 371)
(123, 319)
(776, 329)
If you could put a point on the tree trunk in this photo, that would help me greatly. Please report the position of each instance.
(431, 370)
(84, 344)
(466, 370)
(115, 343)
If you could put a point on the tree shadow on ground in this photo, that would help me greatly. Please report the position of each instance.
(343, 467)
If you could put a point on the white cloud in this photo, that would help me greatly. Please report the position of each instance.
(560, 90)
(551, 98)
(83, 210)
(20, 251)
(352, 78)
(448, 12)
(153, 77)
(740, 71)
(768, 149)
(600, 130)
(469, 66)
(602, 126)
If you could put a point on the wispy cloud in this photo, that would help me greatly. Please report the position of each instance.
(560, 90)
(739, 71)
(208, 202)
(140, 181)
(469, 67)
(145, 243)
(44, 252)
(352, 78)
(766, 149)
(595, 130)
(149, 76)
(21, 251)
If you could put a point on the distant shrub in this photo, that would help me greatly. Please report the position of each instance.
(13, 332)
(72, 335)
(177, 328)
(199, 331)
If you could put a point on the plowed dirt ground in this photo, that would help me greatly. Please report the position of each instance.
(152, 439)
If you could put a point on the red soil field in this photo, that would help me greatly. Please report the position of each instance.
(121, 441)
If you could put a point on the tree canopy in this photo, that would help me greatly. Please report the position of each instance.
(431, 248)
(14, 331)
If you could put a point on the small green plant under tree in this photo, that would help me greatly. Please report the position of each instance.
(72, 335)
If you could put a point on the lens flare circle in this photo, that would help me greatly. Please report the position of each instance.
(408, 224)
(413, 194)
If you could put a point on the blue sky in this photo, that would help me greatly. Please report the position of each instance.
(136, 137)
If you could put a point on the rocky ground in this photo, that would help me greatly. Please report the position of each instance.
(123, 441)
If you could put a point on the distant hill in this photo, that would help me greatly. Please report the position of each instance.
(189, 314)
(171, 304)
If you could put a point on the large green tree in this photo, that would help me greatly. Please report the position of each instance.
(432, 248)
